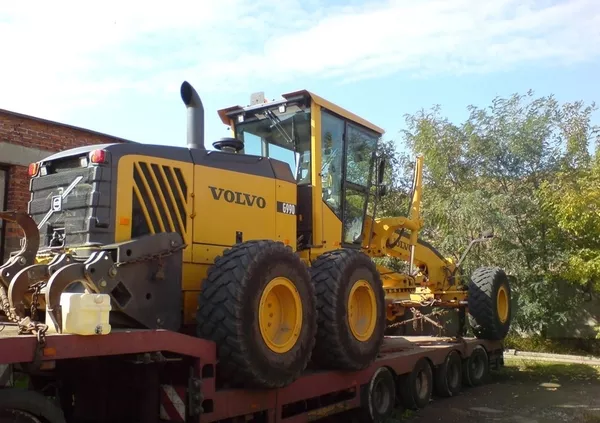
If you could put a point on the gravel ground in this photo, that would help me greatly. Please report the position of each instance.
(523, 392)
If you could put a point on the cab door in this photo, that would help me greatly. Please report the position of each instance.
(360, 145)
(346, 169)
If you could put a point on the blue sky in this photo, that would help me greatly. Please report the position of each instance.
(117, 68)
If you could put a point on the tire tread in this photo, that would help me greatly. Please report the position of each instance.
(219, 315)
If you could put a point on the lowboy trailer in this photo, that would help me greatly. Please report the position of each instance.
(160, 375)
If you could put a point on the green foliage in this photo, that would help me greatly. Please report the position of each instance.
(537, 343)
(573, 196)
(520, 167)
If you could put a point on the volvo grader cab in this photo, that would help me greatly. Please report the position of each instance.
(266, 244)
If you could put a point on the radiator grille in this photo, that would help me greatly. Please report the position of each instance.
(159, 199)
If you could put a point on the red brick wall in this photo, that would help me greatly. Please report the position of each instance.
(42, 135)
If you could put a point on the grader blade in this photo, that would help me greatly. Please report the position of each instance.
(26, 256)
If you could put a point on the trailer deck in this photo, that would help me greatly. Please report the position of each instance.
(185, 374)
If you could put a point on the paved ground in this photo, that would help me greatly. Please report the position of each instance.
(524, 392)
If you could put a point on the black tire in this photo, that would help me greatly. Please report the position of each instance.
(228, 314)
(333, 275)
(476, 367)
(9, 415)
(486, 284)
(415, 388)
(448, 375)
(378, 397)
(19, 403)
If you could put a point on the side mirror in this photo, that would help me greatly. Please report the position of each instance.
(381, 171)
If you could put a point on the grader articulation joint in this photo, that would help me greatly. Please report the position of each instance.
(273, 259)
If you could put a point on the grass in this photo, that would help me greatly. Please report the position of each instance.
(584, 347)
(523, 369)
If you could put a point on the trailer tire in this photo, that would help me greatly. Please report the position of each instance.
(476, 367)
(339, 277)
(232, 312)
(23, 403)
(489, 303)
(415, 388)
(378, 397)
(448, 375)
(10, 415)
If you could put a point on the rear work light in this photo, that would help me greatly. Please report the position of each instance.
(33, 169)
(98, 156)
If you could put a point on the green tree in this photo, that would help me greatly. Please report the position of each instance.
(573, 197)
(498, 170)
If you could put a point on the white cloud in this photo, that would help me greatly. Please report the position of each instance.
(60, 56)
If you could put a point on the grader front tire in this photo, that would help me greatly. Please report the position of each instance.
(258, 305)
(489, 303)
(350, 310)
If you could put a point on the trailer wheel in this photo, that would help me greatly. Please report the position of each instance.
(258, 305)
(489, 303)
(10, 415)
(477, 367)
(351, 310)
(23, 406)
(378, 397)
(448, 375)
(415, 388)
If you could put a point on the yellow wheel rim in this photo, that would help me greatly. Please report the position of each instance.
(502, 304)
(362, 310)
(280, 315)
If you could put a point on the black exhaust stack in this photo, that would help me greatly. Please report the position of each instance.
(195, 116)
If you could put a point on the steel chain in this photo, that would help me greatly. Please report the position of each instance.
(420, 317)
(151, 257)
(6, 306)
(27, 324)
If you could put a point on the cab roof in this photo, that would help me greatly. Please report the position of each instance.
(223, 113)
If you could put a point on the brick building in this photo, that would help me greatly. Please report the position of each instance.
(23, 140)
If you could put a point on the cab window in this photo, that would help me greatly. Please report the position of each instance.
(280, 134)
(332, 153)
(359, 162)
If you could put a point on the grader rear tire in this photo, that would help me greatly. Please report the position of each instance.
(350, 310)
(258, 305)
(489, 303)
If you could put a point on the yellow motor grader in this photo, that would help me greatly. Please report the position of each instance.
(264, 244)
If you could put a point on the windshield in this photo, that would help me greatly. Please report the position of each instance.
(280, 133)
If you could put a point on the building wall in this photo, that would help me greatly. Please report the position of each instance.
(26, 139)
